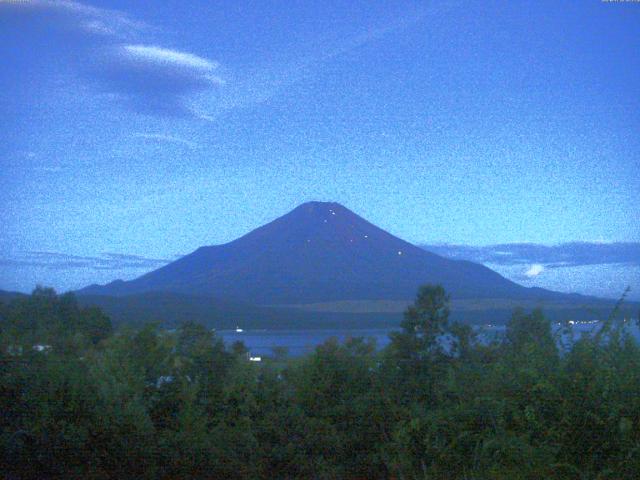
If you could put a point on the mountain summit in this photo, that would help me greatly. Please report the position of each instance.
(318, 252)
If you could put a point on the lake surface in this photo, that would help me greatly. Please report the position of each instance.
(300, 342)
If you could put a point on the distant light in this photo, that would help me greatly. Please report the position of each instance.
(571, 322)
(325, 221)
(366, 236)
(239, 330)
(163, 379)
(255, 359)
(399, 252)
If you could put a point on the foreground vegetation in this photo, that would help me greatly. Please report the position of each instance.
(78, 400)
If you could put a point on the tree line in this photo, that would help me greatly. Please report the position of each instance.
(79, 399)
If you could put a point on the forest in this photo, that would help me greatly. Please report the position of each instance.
(81, 399)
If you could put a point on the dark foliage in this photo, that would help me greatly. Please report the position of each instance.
(78, 400)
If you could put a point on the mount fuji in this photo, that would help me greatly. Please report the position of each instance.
(319, 252)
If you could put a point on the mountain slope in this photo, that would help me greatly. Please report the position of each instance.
(7, 296)
(318, 252)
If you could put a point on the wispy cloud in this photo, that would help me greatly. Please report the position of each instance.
(264, 83)
(127, 59)
(161, 137)
(550, 256)
(63, 261)
(593, 268)
(157, 80)
(49, 169)
(165, 56)
(75, 15)
(121, 54)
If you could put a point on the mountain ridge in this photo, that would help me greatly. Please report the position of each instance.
(319, 251)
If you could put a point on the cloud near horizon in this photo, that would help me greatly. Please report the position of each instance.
(63, 261)
(534, 258)
(612, 272)
(569, 254)
(534, 270)
(603, 269)
(119, 54)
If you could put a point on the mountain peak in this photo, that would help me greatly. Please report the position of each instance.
(319, 251)
(318, 203)
(317, 207)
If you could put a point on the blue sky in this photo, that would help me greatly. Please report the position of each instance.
(148, 129)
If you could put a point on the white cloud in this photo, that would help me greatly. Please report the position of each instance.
(534, 270)
(166, 56)
(159, 80)
(123, 55)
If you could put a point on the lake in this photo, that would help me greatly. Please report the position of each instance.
(299, 342)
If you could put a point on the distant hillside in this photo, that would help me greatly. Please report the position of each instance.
(6, 296)
(320, 252)
(172, 309)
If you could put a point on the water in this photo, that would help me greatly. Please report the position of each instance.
(300, 342)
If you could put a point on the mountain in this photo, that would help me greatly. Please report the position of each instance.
(319, 252)
(7, 296)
